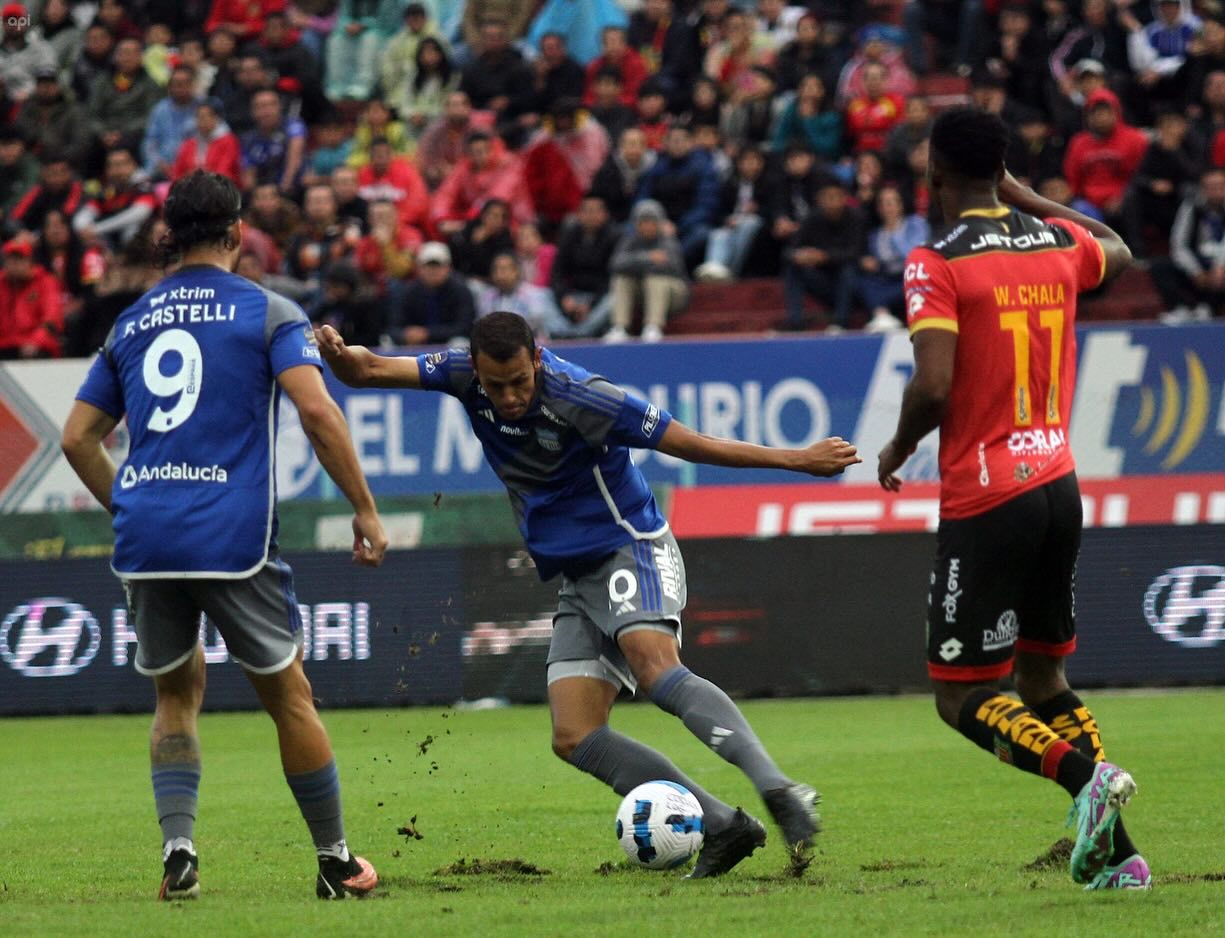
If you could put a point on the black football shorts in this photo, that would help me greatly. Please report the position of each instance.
(1005, 581)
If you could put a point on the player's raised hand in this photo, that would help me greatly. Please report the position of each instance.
(348, 362)
(369, 539)
(890, 460)
(829, 457)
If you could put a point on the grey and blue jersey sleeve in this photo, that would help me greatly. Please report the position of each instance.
(102, 387)
(449, 372)
(607, 415)
(289, 336)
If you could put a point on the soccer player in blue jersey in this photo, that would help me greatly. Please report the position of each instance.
(560, 439)
(197, 365)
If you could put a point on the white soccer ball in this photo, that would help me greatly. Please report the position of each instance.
(660, 825)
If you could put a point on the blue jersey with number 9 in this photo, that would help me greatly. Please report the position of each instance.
(193, 365)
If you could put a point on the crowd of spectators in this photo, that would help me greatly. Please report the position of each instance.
(410, 166)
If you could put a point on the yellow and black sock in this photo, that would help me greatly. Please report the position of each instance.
(1073, 721)
(1017, 735)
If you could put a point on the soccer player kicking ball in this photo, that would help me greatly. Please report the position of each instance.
(560, 439)
(992, 310)
(198, 365)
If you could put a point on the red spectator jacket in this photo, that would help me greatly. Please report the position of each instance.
(223, 156)
(467, 189)
(868, 122)
(1099, 168)
(402, 185)
(31, 313)
(249, 14)
(633, 73)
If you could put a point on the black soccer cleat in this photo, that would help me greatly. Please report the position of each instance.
(794, 810)
(339, 878)
(722, 851)
(181, 879)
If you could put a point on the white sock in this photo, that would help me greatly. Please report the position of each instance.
(178, 843)
(338, 850)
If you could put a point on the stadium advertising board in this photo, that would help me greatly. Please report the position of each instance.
(775, 617)
(833, 615)
(1150, 401)
(372, 637)
(797, 510)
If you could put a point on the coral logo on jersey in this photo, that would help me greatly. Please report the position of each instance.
(1164, 420)
(49, 637)
(1186, 605)
(1004, 635)
(651, 420)
(1037, 442)
(172, 472)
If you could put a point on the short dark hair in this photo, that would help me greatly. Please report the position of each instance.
(970, 142)
(501, 336)
(199, 210)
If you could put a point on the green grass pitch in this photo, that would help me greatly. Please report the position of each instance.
(925, 835)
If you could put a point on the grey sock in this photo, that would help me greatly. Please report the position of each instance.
(175, 788)
(318, 797)
(623, 763)
(710, 715)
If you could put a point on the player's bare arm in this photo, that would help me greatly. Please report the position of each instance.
(329, 435)
(358, 367)
(1117, 253)
(825, 458)
(923, 402)
(84, 431)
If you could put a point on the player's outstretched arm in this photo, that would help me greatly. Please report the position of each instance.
(84, 431)
(1116, 251)
(329, 435)
(358, 367)
(825, 458)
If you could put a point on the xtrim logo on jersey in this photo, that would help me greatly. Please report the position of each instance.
(172, 472)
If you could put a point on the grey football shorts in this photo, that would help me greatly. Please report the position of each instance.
(640, 586)
(257, 616)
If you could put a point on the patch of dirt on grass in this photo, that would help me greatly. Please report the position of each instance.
(1190, 878)
(1056, 858)
(887, 865)
(478, 867)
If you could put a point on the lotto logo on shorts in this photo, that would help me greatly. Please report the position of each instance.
(1004, 635)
